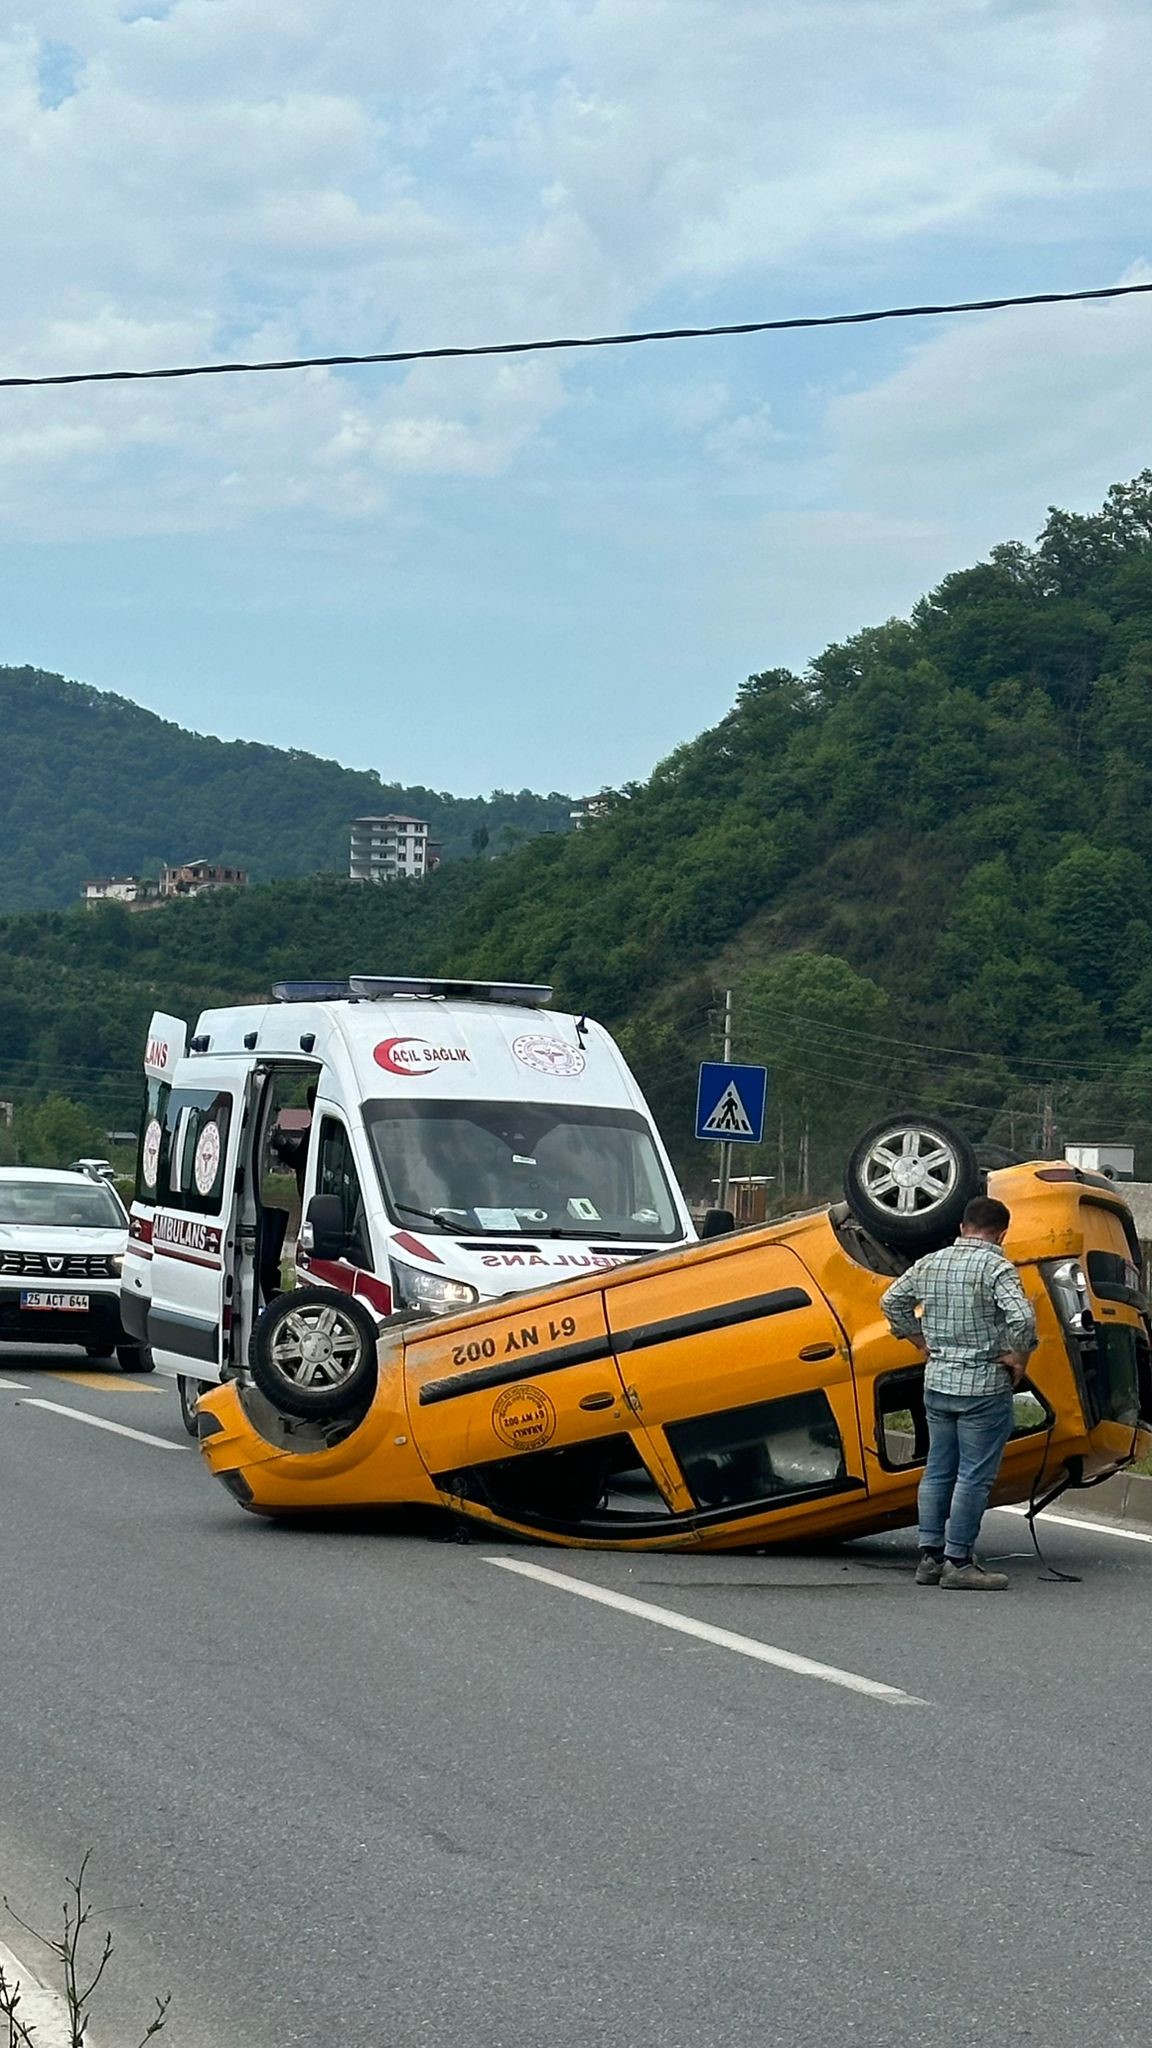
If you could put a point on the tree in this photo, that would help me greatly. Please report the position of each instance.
(819, 1028)
(57, 1132)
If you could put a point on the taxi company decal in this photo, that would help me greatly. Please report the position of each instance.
(186, 1233)
(206, 1164)
(150, 1153)
(524, 1418)
(548, 1056)
(586, 1261)
(418, 1056)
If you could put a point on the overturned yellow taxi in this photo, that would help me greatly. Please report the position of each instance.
(740, 1391)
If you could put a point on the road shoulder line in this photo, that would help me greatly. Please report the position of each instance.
(42, 2011)
(1047, 1520)
(720, 1638)
(140, 1436)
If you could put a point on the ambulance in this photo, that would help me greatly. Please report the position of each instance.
(413, 1147)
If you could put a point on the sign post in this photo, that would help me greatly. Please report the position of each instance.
(730, 1104)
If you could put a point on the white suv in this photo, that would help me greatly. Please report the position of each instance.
(62, 1243)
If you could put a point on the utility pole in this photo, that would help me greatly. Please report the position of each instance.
(725, 1143)
(1048, 1138)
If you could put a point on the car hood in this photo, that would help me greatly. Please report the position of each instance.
(45, 1237)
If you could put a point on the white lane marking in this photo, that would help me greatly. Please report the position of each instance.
(21, 1384)
(722, 1638)
(42, 2011)
(1081, 1522)
(140, 1436)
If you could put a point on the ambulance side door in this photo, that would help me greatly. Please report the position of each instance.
(195, 1222)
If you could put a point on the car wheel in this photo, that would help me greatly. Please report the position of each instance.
(190, 1392)
(313, 1354)
(910, 1180)
(135, 1358)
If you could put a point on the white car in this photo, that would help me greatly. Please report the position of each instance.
(62, 1242)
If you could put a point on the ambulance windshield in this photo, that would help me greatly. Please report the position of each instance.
(494, 1168)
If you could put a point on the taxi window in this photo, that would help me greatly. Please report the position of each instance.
(769, 1450)
(902, 1424)
(601, 1485)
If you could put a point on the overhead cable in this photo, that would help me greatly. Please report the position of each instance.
(527, 348)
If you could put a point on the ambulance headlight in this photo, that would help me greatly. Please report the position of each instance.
(1069, 1290)
(434, 1293)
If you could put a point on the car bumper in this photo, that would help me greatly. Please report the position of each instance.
(99, 1323)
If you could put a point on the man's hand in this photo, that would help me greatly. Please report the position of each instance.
(919, 1347)
(1017, 1364)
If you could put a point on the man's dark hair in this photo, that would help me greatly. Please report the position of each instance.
(984, 1212)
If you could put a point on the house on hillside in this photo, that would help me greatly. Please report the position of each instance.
(391, 848)
(195, 877)
(118, 889)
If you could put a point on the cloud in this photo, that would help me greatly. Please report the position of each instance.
(273, 177)
(998, 407)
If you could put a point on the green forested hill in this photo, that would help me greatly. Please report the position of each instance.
(95, 785)
(924, 867)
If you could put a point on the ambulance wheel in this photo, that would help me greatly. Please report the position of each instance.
(910, 1180)
(313, 1354)
(190, 1392)
(135, 1358)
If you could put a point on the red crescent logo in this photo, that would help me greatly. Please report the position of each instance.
(384, 1056)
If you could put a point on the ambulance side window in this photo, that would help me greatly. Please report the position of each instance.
(150, 1145)
(193, 1151)
(336, 1175)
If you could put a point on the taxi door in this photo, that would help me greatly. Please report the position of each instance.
(521, 1412)
(742, 1379)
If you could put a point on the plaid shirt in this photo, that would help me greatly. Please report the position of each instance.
(973, 1309)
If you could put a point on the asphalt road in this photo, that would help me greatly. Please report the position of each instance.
(370, 1789)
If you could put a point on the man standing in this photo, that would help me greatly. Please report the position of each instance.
(977, 1331)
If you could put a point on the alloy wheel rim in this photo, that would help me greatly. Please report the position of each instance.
(315, 1347)
(910, 1171)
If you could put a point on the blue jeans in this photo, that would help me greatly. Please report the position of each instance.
(966, 1438)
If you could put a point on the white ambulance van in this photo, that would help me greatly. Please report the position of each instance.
(427, 1144)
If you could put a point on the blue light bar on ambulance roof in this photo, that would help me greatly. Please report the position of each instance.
(520, 995)
(310, 992)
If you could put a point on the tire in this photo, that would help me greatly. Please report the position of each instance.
(315, 1330)
(190, 1392)
(135, 1358)
(910, 1180)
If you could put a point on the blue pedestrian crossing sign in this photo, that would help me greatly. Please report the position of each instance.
(730, 1103)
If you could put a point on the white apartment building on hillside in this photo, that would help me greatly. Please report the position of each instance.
(390, 848)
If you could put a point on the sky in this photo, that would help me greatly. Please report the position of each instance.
(545, 572)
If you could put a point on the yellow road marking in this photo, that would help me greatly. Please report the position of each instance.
(107, 1382)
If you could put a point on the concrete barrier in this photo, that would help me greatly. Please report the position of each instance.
(1126, 1498)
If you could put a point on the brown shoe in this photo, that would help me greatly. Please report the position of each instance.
(971, 1578)
(929, 1570)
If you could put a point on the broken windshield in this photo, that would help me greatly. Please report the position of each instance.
(537, 1170)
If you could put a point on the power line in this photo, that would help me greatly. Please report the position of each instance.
(841, 1035)
(525, 348)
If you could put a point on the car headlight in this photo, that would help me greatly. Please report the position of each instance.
(117, 1262)
(1068, 1287)
(435, 1293)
